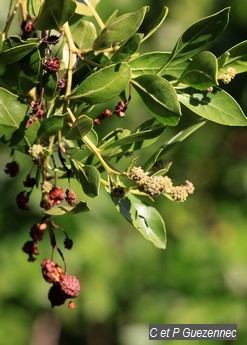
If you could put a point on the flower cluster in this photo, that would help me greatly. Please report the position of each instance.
(36, 114)
(156, 185)
(64, 286)
(227, 77)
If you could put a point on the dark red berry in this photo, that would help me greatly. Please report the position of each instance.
(61, 83)
(118, 192)
(12, 169)
(22, 199)
(37, 231)
(52, 65)
(56, 296)
(31, 248)
(68, 243)
(29, 182)
(70, 197)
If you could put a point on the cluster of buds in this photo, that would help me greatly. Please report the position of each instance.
(53, 196)
(63, 286)
(36, 234)
(22, 197)
(36, 114)
(156, 185)
(119, 110)
(227, 77)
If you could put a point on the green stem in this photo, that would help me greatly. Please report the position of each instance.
(95, 14)
(94, 149)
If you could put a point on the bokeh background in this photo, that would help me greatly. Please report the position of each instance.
(126, 282)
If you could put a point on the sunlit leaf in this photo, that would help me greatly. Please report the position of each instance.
(120, 29)
(88, 176)
(51, 126)
(217, 106)
(144, 218)
(33, 7)
(84, 34)
(54, 13)
(236, 57)
(63, 210)
(13, 120)
(201, 73)
(157, 23)
(127, 49)
(80, 128)
(160, 98)
(103, 85)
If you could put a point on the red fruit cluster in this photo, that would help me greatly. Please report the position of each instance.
(31, 247)
(36, 113)
(64, 286)
(56, 196)
(52, 65)
(119, 110)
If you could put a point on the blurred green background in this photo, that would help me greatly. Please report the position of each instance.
(126, 282)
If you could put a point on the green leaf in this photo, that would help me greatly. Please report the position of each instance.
(88, 176)
(51, 126)
(151, 63)
(33, 7)
(12, 122)
(160, 98)
(50, 86)
(83, 9)
(217, 106)
(63, 210)
(103, 85)
(201, 73)
(157, 23)
(80, 128)
(54, 13)
(120, 29)
(84, 34)
(153, 132)
(21, 76)
(16, 53)
(236, 57)
(144, 218)
(127, 49)
(199, 35)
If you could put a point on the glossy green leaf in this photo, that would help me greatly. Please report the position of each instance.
(33, 7)
(202, 71)
(157, 23)
(63, 210)
(12, 122)
(84, 34)
(236, 57)
(120, 29)
(127, 49)
(103, 85)
(217, 106)
(51, 126)
(198, 36)
(80, 128)
(16, 53)
(21, 76)
(54, 13)
(50, 86)
(83, 9)
(144, 218)
(160, 98)
(151, 63)
(88, 176)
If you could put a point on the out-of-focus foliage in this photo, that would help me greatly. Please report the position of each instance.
(126, 282)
